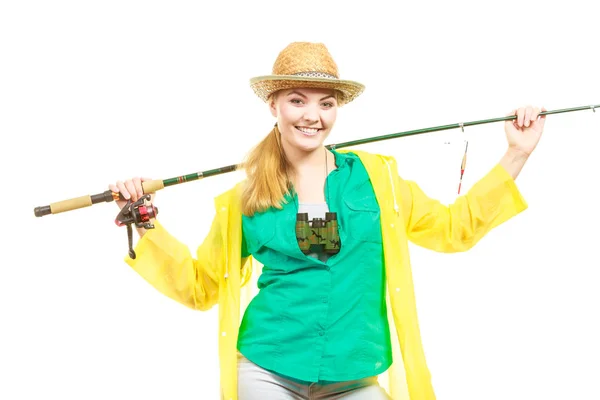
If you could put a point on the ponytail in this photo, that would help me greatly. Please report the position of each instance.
(267, 171)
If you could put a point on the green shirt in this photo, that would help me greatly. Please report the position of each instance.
(316, 320)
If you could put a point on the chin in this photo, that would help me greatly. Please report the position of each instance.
(309, 144)
(309, 149)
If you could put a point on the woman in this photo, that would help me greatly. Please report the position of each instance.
(327, 319)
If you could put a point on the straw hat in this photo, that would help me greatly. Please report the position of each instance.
(304, 64)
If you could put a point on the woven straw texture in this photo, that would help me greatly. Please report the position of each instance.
(304, 64)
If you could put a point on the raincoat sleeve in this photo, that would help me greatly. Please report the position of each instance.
(169, 266)
(458, 227)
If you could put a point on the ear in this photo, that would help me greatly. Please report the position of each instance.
(272, 107)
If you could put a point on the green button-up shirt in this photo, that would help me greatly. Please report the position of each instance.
(316, 320)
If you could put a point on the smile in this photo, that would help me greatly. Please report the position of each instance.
(308, 131)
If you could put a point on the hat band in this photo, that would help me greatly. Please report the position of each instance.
(315, 74)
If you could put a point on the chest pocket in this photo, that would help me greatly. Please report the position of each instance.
(363, 219)
(261, 240)
(257, 235)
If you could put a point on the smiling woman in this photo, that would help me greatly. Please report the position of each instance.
(324, 324)
(312, 110)
(305, 117)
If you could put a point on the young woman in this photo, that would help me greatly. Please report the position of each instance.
(328, 319)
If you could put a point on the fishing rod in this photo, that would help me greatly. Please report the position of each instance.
(142, 210)
(155, 185)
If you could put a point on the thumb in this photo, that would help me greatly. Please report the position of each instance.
(511, 121)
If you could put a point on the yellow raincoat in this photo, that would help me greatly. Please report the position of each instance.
(217, 273)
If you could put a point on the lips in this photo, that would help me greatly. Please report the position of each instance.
(307, 131)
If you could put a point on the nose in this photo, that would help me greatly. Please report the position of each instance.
(311, 114)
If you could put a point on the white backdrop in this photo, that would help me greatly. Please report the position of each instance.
(93, 92)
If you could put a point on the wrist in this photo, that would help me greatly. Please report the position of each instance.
(516, 153)
(513, 161)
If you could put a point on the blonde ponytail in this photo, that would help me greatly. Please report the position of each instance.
(268, 172)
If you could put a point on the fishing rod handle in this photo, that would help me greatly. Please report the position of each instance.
(88, 200)
(153, 186)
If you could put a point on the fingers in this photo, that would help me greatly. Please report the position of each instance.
(520, 117)
(130, 189)
(137, 183)
(527, 115)
(123, 190)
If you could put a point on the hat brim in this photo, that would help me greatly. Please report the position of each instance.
(264, 86)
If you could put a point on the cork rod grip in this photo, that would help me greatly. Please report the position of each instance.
(71, 204)
(152, 186)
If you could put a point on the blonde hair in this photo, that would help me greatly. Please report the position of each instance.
(268, 172)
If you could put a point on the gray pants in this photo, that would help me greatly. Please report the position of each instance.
(256, 383)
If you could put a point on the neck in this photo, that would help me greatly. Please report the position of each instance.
(303, 160)
(309, 163)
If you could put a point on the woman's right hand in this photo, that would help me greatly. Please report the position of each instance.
(130, 189)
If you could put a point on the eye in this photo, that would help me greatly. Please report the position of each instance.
(328, 104)
(296, 101)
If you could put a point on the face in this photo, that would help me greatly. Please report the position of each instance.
(304, 116)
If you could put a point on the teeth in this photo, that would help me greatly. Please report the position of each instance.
(307, 130)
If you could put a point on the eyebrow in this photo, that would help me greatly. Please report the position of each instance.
(300, 94)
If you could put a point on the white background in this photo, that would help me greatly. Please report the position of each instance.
(93, 92)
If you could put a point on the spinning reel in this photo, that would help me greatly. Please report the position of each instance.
(140, 213)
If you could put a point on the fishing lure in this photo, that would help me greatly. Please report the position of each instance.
(463, 164)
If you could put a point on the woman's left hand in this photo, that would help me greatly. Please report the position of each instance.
(524, 132)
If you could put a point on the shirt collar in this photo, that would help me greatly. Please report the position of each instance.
(343, 159)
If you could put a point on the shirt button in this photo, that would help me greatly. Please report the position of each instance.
(397, 289)
(321, 333)
(324, 300)
(223, 333)
(392, 225)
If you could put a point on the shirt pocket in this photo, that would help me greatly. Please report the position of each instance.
(263, 242)
(258, 234)
(363, 219)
